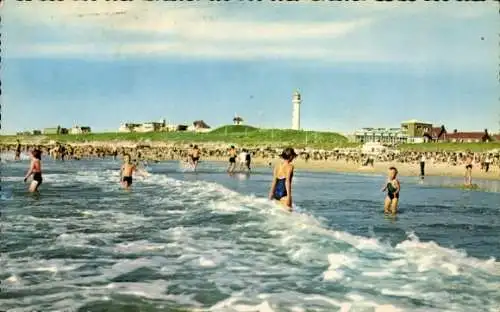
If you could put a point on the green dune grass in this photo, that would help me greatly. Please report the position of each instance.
(237, 135)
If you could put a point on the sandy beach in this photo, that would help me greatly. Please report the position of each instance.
(405, 169)
(327, 161)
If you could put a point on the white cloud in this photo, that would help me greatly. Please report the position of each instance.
(113, 29)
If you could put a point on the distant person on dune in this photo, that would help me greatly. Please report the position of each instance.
(281, 187)
(35, 170)
(127, 170)
(18, 150)
(392, 187)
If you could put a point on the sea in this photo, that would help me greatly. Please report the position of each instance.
(209, 241)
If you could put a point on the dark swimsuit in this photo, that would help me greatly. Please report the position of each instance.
(195, 158)
(390, 191)
(280, 189)
(232, 159)
(128, 180)
(37, 176)
(469, 166)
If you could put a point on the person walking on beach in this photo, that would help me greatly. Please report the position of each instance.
(232, 159)
(468, 170)
(18, 150)
(487, 162)
(248, 159)
(127, 170)
(35, 170)
(392, 187)
(422, 166)
(281, 186)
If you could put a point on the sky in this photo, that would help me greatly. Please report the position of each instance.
(356, 64)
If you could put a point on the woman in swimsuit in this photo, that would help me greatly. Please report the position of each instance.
(392, 187)
(281, 187)
(35, 170)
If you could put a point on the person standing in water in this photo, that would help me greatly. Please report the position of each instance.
(195, 156)
(232, 159)
(468, 170)
(248, 160)
(190, 155)
(392, 187)
(127, 170)
(281, 186)
(18, 150)
(422, 166)
(35, 170)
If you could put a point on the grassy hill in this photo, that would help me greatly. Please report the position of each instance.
(238, 135)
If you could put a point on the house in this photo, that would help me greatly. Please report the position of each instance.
(415, 130)
(436, 134)
(237, 120)
(128, 127)
(79, 130)
(469, 137)
(199, 126)
(150, 127)
(56, 130)
(37, 132)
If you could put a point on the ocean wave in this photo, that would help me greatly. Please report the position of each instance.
(203, 246)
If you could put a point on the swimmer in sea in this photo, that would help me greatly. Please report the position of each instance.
(392, 187)
(195, 156)
(281, 187)
(18, 150)
(232, 159)
(127, 170)
(35, 170)
(468, 171)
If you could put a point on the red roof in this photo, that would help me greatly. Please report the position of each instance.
(435, 131)
(465, 135)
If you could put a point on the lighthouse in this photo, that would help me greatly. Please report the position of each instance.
(296, 101)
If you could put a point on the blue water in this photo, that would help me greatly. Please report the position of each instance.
(212, 242)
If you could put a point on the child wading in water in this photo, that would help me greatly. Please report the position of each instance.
(281, 187)
(392, 187)
(127, 170)
(35, 170)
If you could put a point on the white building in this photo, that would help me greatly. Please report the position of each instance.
(296, 101)
(382, 135)
(79, 130)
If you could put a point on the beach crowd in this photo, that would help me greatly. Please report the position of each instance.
(484, 161)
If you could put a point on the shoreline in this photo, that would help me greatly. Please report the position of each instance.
(320, 160)
(379, 168)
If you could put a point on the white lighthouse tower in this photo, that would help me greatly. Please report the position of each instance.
(296, 101)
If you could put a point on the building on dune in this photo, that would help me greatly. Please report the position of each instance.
(55, 130)
(381, 135)
(200, 126)
(79, 130)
